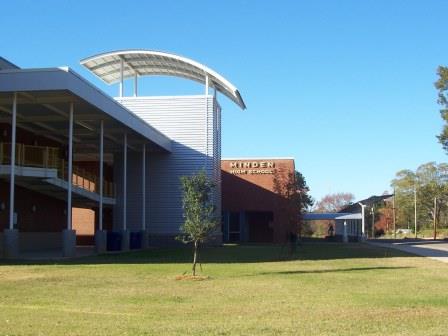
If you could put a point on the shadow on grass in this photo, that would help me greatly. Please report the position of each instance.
(337, 270)
(250, 253)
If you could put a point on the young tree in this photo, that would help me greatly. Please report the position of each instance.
(295, 199)
(199, 211)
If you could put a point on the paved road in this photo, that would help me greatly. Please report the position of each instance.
(437, 250)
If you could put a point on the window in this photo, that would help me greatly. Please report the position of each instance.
(234, 227)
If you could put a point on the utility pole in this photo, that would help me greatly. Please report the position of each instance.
(373, 220)
(435, 216)
(393, 213)
(415, 211)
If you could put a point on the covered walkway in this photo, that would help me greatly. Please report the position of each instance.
(57, 129)
(348, 226)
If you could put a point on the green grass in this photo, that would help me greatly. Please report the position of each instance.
(325, 289)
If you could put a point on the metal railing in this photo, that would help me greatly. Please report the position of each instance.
(30, 156)
(86, 179)
(48, 157)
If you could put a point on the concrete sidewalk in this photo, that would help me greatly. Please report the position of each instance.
(433, 249)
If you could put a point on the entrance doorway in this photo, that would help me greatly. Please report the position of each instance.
(260, 226)
(234, 227)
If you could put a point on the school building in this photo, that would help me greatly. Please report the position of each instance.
(253, 199)
(75, 162)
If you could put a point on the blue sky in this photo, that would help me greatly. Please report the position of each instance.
(345, 87)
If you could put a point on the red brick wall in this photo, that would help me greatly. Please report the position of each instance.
(48, 215)
(257, 192)
(85, 222)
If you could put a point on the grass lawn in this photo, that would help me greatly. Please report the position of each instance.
(325, 289)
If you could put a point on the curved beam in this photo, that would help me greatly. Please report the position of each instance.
(148, 62)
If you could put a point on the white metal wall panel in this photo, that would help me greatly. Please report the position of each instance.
(195, 145)
(134, 191)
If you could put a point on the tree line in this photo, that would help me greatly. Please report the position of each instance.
(421, 195)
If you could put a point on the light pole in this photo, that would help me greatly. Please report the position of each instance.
(363, 228)
(415, 210)
(393, 213)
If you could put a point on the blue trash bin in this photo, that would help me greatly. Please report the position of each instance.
(135, 240)
(113, 241)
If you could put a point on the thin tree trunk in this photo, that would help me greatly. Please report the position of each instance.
(195, 257)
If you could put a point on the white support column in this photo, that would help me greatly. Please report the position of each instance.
(345, 237)
(70, 168)
(206, 84)
(363, 219)
(125, 162)
(121, 77)
(100, 234)
(69, 235)
(135, 85)
(13, 162)
(144, 187)
(100, 214)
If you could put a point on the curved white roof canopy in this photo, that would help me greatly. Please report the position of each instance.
(107, 66)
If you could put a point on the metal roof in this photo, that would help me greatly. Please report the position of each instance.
(322, 215)
(107, 66)
(350, 216)
(330, 216)
(372, 200)
(5, 64)
(43, 102)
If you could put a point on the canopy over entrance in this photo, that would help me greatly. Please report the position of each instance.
(114, 67)
(315, 216)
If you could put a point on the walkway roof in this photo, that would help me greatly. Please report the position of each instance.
(43, 100)
(107, 66)
(330, 216)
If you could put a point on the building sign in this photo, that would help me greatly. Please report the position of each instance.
(251, 167)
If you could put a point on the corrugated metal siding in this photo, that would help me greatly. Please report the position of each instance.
(217, 155)
(196, 145)
(134, 191)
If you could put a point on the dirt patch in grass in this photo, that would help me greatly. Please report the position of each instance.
(192, 277)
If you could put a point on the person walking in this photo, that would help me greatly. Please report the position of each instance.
(330, 230)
